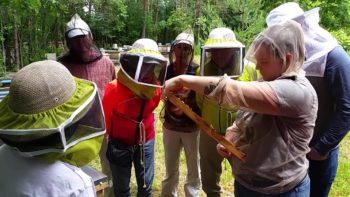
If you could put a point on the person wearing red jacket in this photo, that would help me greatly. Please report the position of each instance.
(128, 104)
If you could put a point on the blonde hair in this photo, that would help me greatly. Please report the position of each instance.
(282, 39)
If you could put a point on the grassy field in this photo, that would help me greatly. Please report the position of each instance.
(340, 187)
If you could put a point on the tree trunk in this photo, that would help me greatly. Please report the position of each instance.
(197, 13)
(157, 17)
(145, 11)
(177, 4)
(90, 8)
(30, 38)
(185, 5)
(57, 33)
(20, 44)
(8, 45)
(15, 36)
(3, 45)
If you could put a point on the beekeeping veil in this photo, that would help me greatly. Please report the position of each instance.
(318, 42)
(222, 54)
(80, 42)
(184, 57)
(143, 63)
(51, 114)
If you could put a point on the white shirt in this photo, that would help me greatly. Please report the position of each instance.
(27, 176)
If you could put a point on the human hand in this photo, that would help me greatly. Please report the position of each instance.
(173, 85)
(223, 151)
(175, 110)
(314, 155)
(231, 135)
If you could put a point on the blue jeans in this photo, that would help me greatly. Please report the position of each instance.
(121, 158)
(322, 174)
(301, 190)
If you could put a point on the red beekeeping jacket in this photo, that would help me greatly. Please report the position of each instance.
(122, 109)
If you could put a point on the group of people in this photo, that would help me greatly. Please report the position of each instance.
(285, 104)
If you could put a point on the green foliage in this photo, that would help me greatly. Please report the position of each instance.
(134, 20)
(343, 38)
(2, 68)
(245, 18)
(179, 20)
(40, 24)
(108, 22)
(334, 14)
(32, 4)
(267, 6)
(340, 187)
(197, 52)
(208, 20)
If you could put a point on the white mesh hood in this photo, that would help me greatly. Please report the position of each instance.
(318, 41)
(76, 26)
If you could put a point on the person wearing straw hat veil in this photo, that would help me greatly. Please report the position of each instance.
(179, 131)
(84, 60)
(275, 118)
(327, 66)
(128, 104)
(52, 123)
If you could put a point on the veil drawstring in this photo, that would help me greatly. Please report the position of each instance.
(142, 131)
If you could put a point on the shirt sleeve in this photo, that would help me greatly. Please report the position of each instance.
(112, 70)
(199, 97)
(256, 96)
(338, 77)
(107, 104)
(283, 97)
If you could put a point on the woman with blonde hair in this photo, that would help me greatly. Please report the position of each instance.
(276, 115)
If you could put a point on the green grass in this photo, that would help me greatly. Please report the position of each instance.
(226, 178)
(340, 188)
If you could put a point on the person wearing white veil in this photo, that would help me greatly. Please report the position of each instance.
(327, 67)
(276, 115)
(128, 103)
(179, 131)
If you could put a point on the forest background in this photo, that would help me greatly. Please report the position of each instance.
(31, 28)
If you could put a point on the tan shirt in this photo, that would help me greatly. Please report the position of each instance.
(274, 130)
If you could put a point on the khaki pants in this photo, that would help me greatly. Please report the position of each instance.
(173, 142)
(210, 165)
(108, 192)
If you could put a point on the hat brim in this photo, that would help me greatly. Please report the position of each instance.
(43, 123)
(310, 13)
(211, 46)
(155, 56)
(152, 61)
(77, 32)
(183, 42)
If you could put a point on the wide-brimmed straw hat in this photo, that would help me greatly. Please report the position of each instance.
(43, 106)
